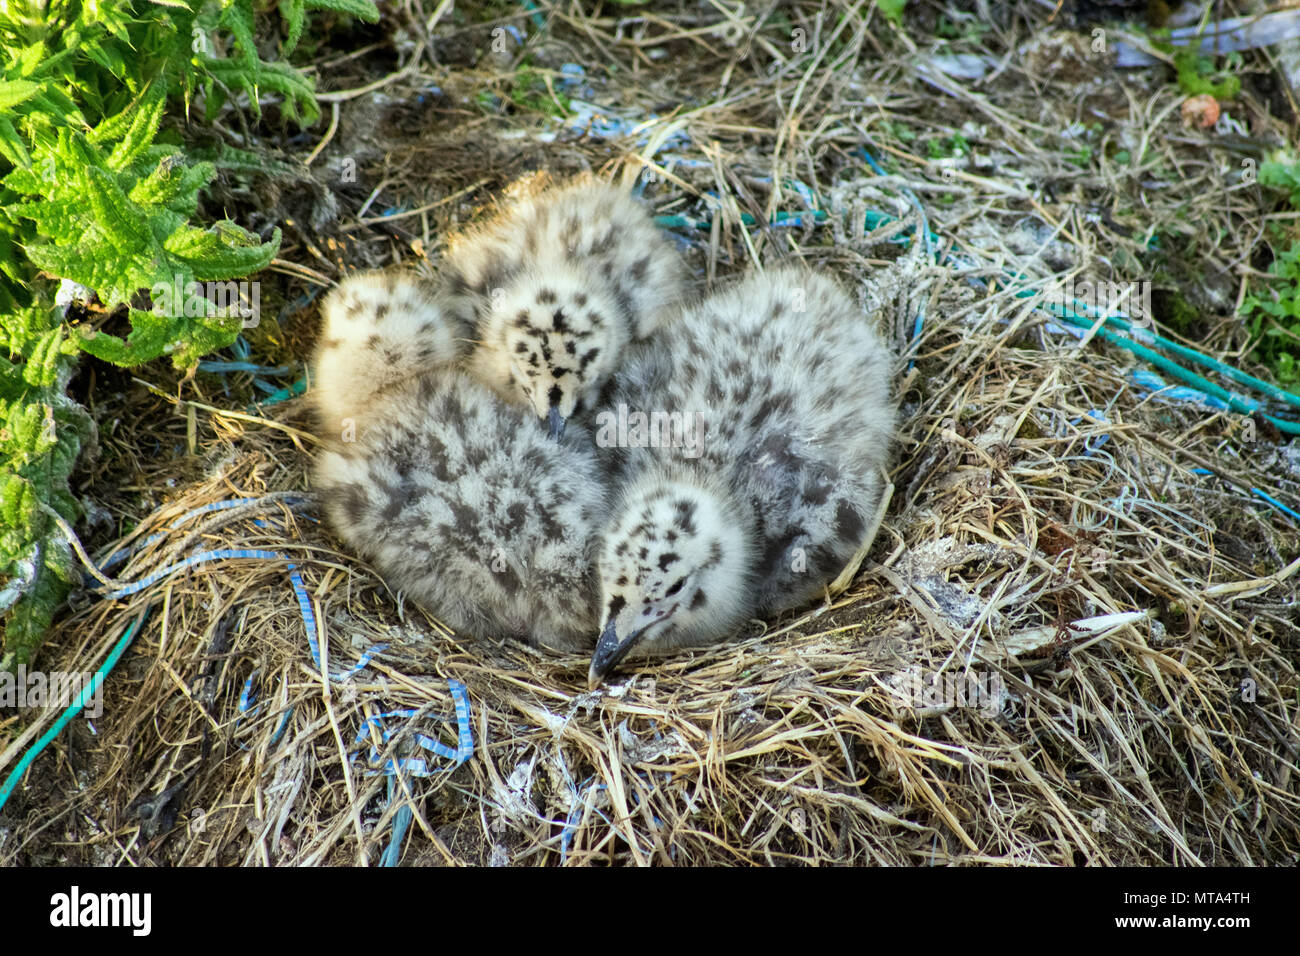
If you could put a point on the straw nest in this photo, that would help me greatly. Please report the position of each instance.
(1035, 487)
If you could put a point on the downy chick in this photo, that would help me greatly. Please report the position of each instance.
(762, 477)
(558, 287)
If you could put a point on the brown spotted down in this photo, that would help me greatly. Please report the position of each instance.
(558, 286)
(460, 501)
(789, 386)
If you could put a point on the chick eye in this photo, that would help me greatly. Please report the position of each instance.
(675, 588)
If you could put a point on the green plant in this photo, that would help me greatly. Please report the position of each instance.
(947, 147)
(1272, 311)
(90, 195)
(1274, 319)
(1282, 172)
(530, 90)
(893, 10)
(1197, 76)
(961, 29)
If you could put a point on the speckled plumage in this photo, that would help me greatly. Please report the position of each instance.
(558, 286)
(459, 500)
(773, 498)
(378, 330)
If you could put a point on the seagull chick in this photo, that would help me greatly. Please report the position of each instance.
(758, 475)
(378, 330)
(458, 500)
(557, 287)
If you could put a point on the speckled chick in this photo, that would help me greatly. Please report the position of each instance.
(558, 287)
(460, 501)
(378, 331)
(753, 477)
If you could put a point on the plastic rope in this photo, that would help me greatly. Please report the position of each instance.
(87, 692)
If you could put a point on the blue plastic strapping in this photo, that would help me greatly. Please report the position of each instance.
(248, 694)
(120, 555)
(201, 558)
(300, 591)
(248, 699)
(1160, 389)
(392, 854)
(417, 766)
(309, 619)
(279, 731)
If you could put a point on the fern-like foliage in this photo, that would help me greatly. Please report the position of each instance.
(89, 195)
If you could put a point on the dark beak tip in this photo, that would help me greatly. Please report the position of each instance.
(604, 658)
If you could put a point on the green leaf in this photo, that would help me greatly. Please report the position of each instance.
(41, 368)
(32, 56)
(147, 113)
(294, 13)
(892, 9)
(109, 57)
(115, 281)
(148, 340)
(115, 213)
(30, 618)
(237, 17)
(13, 92)
(230, 159)
(225, 261)
(12, 146)
(361, 9)
(173, 185)
(89, 194)
(26, 181)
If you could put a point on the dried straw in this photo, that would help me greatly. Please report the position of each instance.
(1036, 487)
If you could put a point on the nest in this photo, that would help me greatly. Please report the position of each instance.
(1073, 640)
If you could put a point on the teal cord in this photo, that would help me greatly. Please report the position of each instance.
(778, 219)
(1182, 351)
(87, 692)
(534, 14)
(1235, 402)
(283, 395)
(392, 854)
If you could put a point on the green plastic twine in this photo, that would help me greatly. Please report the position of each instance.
(87, 692)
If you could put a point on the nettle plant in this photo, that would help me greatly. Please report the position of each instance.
(1272, 309)
(91, 194)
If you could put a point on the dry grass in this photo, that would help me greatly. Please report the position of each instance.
(1034, 487)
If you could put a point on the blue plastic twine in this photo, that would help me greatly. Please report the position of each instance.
(417, 766)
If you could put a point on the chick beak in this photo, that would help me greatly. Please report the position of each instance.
(556, 422)
(611, 649)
